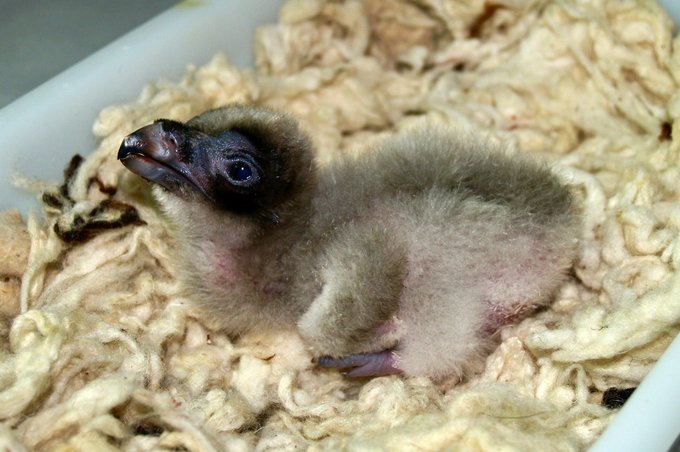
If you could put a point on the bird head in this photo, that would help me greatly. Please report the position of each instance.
(239, 160)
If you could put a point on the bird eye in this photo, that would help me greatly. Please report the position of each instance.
(242, 172)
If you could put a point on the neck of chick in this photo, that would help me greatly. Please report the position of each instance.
(242, 273)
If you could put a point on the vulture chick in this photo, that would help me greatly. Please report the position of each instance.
(406, 259)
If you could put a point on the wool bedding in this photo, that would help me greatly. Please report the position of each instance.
(102, 349)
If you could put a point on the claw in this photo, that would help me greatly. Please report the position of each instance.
(363, 364)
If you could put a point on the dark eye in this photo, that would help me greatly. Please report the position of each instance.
(242, 172)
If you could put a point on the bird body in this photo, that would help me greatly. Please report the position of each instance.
(404, 259)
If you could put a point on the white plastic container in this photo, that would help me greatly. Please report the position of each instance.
(40, 132)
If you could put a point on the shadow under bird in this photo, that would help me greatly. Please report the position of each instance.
(405, 259)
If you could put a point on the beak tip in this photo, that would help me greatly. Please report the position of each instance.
(131, 143)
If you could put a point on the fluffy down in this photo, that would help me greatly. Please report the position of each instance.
(409, 256)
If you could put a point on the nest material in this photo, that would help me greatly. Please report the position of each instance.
(104, 351)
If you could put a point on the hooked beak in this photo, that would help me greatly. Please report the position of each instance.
(153, 152)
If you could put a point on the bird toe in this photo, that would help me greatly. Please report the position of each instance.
(363, 364)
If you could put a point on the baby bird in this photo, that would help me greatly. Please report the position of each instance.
(406, 259)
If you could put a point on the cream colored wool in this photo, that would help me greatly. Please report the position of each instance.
(107, 353)
(15, 244)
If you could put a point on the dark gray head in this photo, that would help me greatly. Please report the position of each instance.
(241, 159)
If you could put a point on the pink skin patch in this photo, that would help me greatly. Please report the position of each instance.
(516, 282)
(273, 288)
(230, 267)
(228, 264)
(391, 326)
(228, 270)
(500, 316)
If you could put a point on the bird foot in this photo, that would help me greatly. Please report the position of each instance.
(363, 364)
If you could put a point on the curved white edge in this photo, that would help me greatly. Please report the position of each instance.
(650, 420)
(40, 131)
